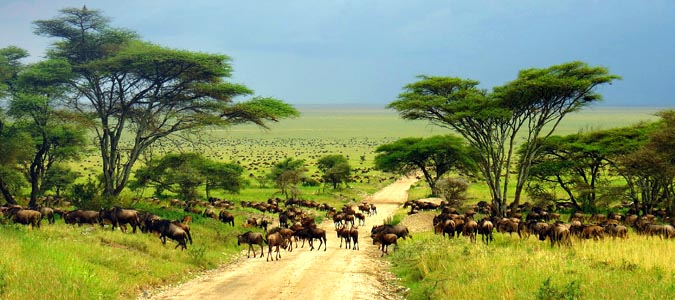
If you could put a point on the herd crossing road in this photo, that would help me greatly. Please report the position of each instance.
(302, 274)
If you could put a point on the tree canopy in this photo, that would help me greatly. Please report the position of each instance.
(183, 173)
(336, 169)
(530, 107)
(434, 157)
(126, 86)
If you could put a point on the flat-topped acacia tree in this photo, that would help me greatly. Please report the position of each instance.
(525, 110)
(139, 93)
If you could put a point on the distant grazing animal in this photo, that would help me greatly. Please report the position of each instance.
(226, 217)
(470, 229)
(557, 233)
(485, 228)
(251, 238)
(25, 216)
(119, 216)
(166, 228)
(209, 213)
(80, 217)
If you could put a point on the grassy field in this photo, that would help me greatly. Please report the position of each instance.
(440, 268)
(61, 262)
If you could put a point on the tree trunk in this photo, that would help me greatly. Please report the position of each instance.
(6, 193)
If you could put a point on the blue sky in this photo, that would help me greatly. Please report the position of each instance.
(364, 52)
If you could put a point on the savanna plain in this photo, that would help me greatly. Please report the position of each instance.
(59, 261)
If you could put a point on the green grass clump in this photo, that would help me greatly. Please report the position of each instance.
(437, 268)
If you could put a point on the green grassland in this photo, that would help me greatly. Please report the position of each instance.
(64, 262)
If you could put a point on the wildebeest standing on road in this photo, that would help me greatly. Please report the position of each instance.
(251, 238)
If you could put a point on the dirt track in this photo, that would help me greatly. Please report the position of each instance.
(303, 274)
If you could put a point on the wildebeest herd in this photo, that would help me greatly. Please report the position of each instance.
(296, 223)
(545, 225)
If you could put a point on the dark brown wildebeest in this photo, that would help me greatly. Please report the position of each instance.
(251, 238)
(47, 213)
(343, 234)
(275, 240)
(615, 231)
(485, 228)
(594, 232)
(354, 235)
(385, 239)
(185, 228)
(361, 217)
(166, 228)
(314, 233)
(470, 229)
(399, 230)
(24, 216)
(507, 225)
(119, 217)
(557, 233)
(80, 217)
(226, 217)
(209, 213)
(286, 233)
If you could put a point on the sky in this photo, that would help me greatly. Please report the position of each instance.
(365, 51)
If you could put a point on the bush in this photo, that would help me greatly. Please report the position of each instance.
(452, 190)
(547, 291)
(86, 196)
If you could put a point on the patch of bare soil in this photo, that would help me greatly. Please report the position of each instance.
(336, 273)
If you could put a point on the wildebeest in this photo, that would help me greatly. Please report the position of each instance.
(185, 228)
(385, 239)
(314, 233)
(485, 228)
(80, 217)
(592, 231)
(226, 217)
(470, 229)
(251, 238)
(166, 228)
(119, 216)
(615, 231)
(343, 234)
(209, 213)
(354, 235)
(275, 240)
(47, 212)
(399, 230)
(286, 233)
(557, 233)
(24, 216)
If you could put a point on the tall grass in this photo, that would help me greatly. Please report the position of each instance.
(439, 268)
(61, 262)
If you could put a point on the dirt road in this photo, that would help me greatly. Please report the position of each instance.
(302, 274)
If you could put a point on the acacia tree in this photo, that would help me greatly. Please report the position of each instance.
(529, 107)
(434, 157)
(127, 86)
(287, 173)
(336, 169)
(650, 171)
(12, 141)
(183, 173)
(55, 137)
(577, 163)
